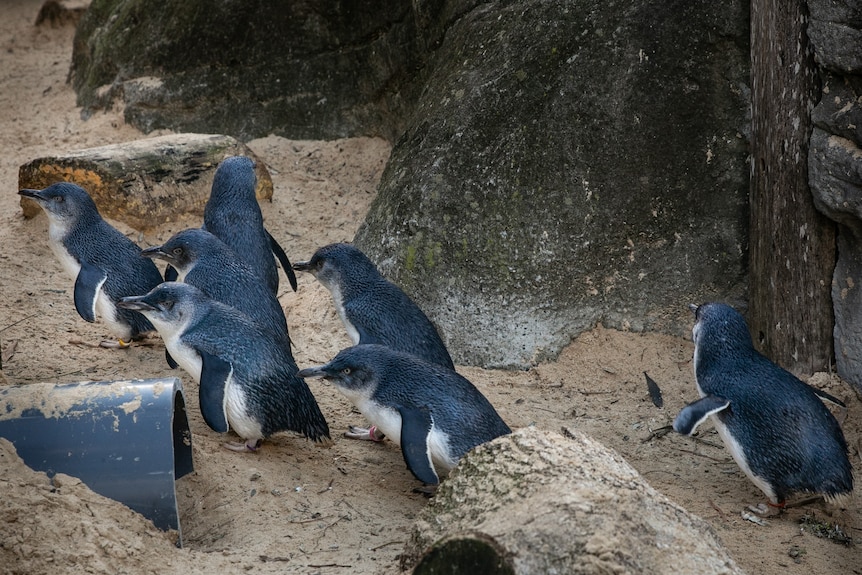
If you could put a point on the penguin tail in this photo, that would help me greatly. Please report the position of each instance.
(842, 500)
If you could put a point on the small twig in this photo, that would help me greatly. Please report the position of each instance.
(693, 452)
(267, 558)
(659, 432)
(17, 322)
(333, 523)
(714, 506)
(9, 352)
(382, 545)
(327, 488)
(318, 566)
(84, 343)
(312, 520)
(585, 392)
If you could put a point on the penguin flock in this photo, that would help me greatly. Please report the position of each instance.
(217, 312)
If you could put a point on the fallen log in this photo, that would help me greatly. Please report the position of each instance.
(538, 502)
(143, 183)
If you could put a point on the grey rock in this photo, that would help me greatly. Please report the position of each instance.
(835, 30)
(835, 164)
(567, 164)
(307, 70)
(556, 164)
(835, 175)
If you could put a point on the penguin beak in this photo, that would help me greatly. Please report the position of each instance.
(34, 194)
(157, 253)
(693, 307)
(135, 303)
(302, 266)
(317, 371)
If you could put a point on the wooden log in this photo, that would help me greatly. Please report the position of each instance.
(144, 183)
(538, 502)
(792, 246)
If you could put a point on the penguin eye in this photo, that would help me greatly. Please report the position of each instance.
(58, 199)
(177, 251)
(345, 371)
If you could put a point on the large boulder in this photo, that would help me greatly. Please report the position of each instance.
(570, 163)
(835, 165)
(305, 70)
(556, 164)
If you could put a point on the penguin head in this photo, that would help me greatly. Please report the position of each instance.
(65, 204)
(184, 248)
(331, 263)
(234, 179)
(170, 306)
(719, 327)
(352, 370)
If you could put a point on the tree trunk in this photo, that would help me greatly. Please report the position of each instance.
(792, 246)
(143, 183)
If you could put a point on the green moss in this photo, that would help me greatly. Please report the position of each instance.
(410, 260)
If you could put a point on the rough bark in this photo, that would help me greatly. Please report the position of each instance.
(146, 182)
(792, 246)
(538, 502)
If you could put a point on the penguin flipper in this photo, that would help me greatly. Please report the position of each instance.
(172, 363)
(215, 373)
(90, 279)
(171, 273)
(415, 426)
(282, 258)
(366, 336)
(695, 413)
(828, 397)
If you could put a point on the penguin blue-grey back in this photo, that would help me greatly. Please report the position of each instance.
(776, 427)
(373, 309)
(204, 261)
(434, 414)
(233, 215)
(105, 264)
(247, 380)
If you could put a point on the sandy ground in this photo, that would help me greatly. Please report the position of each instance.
(295, 507)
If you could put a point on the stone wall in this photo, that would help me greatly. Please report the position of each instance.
(835, 164)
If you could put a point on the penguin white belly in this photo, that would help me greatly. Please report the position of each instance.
(185, 356)
(68, 263)
(739, 456)
(338, 301)
(237, 412)
(388, 421)
(106, 310)
(438, 446)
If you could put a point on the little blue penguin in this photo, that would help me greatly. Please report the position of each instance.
(775, 426)
(204, 261)
(373, 309)
(247, 380)
(105, 264)
(233, 215)
(432, 412)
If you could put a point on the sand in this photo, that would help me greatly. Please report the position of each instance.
(296, 507)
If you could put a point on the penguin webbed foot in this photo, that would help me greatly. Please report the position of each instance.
(364, 433)
(250, 446)
(115, 344)
(762, 511)
(756, 519)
